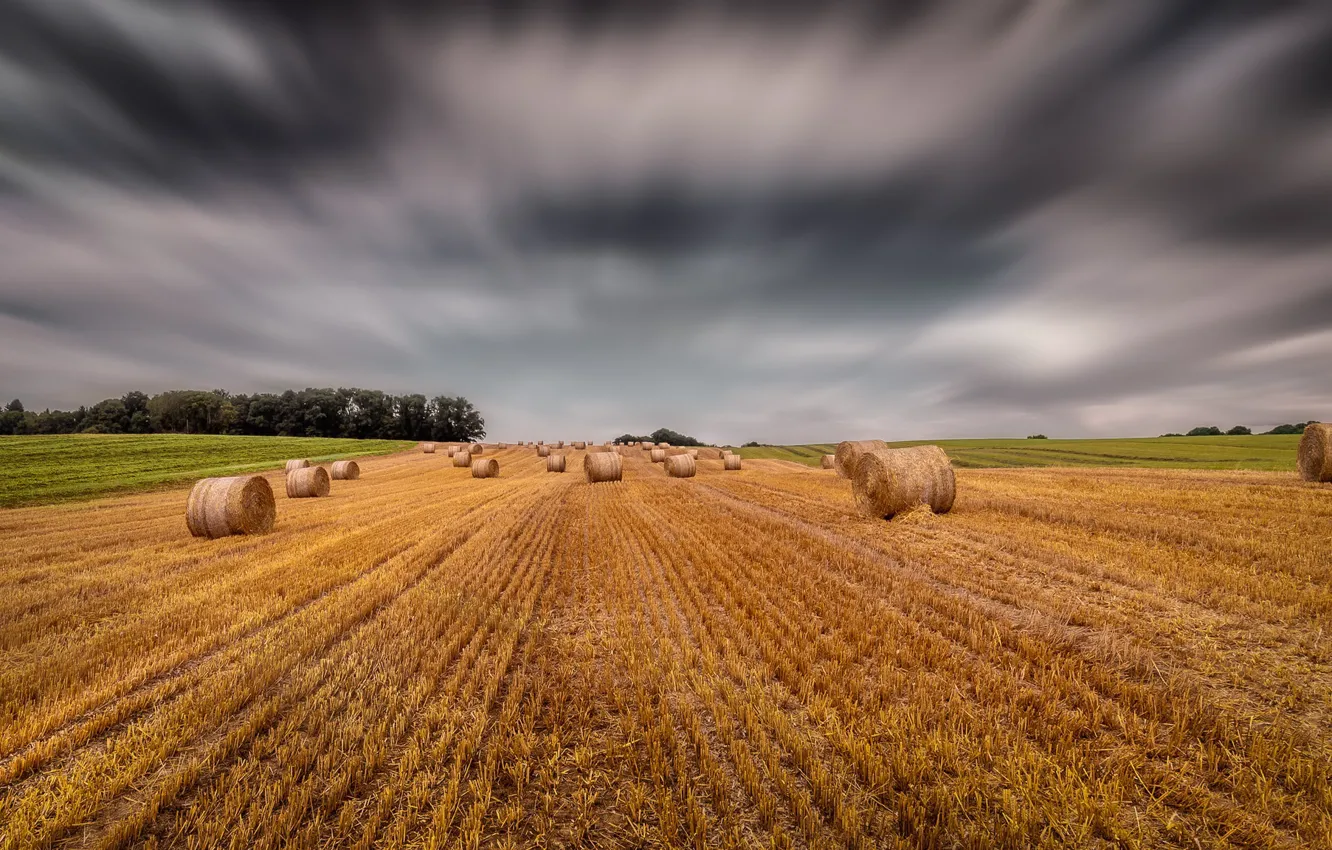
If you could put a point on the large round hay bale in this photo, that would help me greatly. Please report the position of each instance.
(1315, 454)
(658, 455)
(428, 448)
(849, 452)
(543, 451)
(602, 466)
(308, 483)
(462, 459)
(731, 462)
(891, 481)
(476, 449)
(828, 462)
(680, 466)
(579, 444)
(555, 463)
(297, 464)
(346, 470)
(219, 507)
(486, 467)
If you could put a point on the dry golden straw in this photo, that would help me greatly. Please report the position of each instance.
(731, 462)
(658, 455)
(849, 452)
(486, 467)
(828, 462)
(462, 458)
(428, 448)
(681, 466)
(892, 481)
(1315, 455)
(555, 463)
(346, 470)
(308, 483)
(602, 466)
(693, 453)
(219, 507)
(543, 451)
(297, 464)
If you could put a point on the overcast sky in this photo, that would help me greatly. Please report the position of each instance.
(928, 219)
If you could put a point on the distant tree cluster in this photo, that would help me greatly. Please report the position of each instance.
(1037, 437)
(1238, 431)
(751, 445)
(364, 414)
(661, 435)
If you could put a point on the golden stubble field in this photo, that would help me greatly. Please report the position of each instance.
(1076, 658)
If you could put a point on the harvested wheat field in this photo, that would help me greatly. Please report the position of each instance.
(1070, 658)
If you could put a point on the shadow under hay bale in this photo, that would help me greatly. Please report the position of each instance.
(220, 507)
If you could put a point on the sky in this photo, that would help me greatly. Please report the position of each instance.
(742, 221)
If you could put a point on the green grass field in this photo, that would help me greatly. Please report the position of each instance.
(42, 470)
(1251, 452)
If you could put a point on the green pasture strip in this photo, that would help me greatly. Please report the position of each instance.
(46, 470)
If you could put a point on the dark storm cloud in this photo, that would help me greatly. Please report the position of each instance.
(744, 220)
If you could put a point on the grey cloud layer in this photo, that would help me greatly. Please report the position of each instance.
(978, 219)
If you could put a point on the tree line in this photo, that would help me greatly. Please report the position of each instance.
(357, 413)
(661, 435)
(1240, 430)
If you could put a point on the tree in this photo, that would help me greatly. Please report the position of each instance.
(1204, 431)
(108, 417)
(1297, 428)
(454, 419)
(1238, 430)
(666, 435)
(14, 406)
(1037, 437)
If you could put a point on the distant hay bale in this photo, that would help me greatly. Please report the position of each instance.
(486, 467)
(849, 452)
(428, 448)
(680, 466)
(476, 449)
(521, 443)
(693, 453)
(658, 455)
(1315, 454)
(219, 507)
(541, 442)
(888, 482)
(308, 483)
(828, 462)
(579, 444)
(501, 446)
(453, 450)
(297, 464)
(663, 445)
(543, 451)
(462, 459)
(731, 462)
(559, 444)
(555, 463)
(346, 470)
(602, 466)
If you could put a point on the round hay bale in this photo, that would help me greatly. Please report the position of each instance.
(603, 466)
(828, 462)
(541, 442)
(731, 462)
(892, 481)
(579, 444)
(555, 463)
(663, 445)
(346, 470)
(559, 444)
(297, 464)
(308, 483)
(476, 449)
(1315, 453)
(674, 452)
(428, 448)
(693, 453)
(543, 451)
(658, 455)
(453, 450)
(486, 467)
(462, 459)
(501, 446)
(680, 466)
(219, 507)
(522, 443)
(849, 452)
